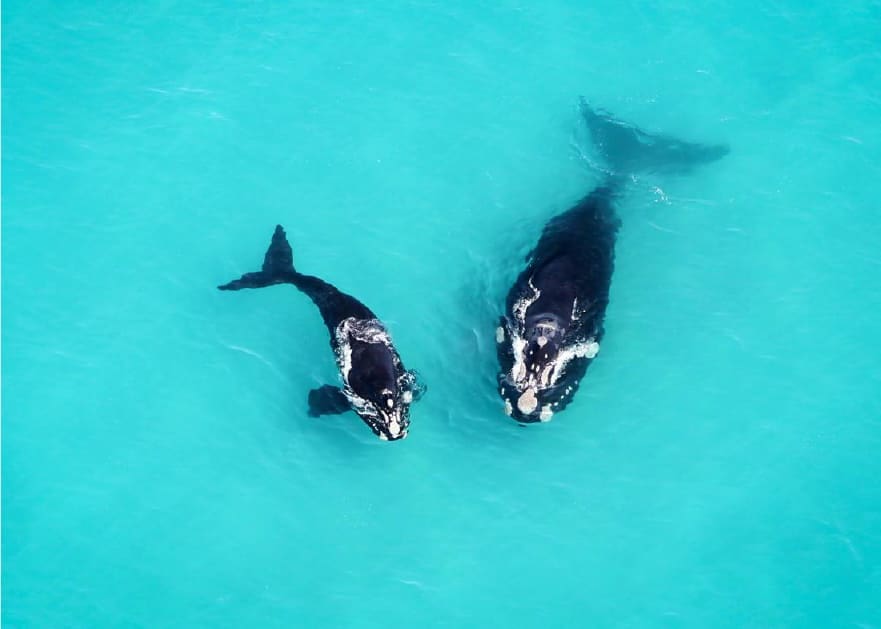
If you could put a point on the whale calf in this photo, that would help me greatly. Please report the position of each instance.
(375, 384)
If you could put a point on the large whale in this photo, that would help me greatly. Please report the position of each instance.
(375, 383)
(553, 322)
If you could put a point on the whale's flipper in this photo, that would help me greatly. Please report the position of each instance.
(327, 400)
(628, 149)
(278, 266)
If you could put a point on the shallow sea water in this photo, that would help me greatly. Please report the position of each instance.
(720, 464)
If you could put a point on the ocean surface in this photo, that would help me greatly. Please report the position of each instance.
(721, 464)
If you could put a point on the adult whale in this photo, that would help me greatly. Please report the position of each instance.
(554, 312)
(375, 383)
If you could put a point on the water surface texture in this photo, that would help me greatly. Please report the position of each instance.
(720, 464)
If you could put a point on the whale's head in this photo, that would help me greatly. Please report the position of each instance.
(378, 387)
(541, 368)
(389, 415)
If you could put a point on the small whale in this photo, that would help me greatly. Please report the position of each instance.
(376, 386)
(554, 313)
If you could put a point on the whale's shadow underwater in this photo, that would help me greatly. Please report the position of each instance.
(553, 322)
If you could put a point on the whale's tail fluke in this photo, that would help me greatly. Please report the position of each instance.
(627, 149)
(278, 266)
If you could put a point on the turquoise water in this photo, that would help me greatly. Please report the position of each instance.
(719, 467)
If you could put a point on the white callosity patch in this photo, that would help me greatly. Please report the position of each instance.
(518, 371)
(527, 402)
(500, 334)
(509, 410)
(518, 343)
(546, 413)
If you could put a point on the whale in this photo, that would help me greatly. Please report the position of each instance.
(554, 318)
(374, 382)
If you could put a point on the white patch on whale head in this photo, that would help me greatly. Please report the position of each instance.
(546, 413)
(518, 343)
(521, 373)
(500, 334)
(509, 410)
(527, 401)
(407, 397)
